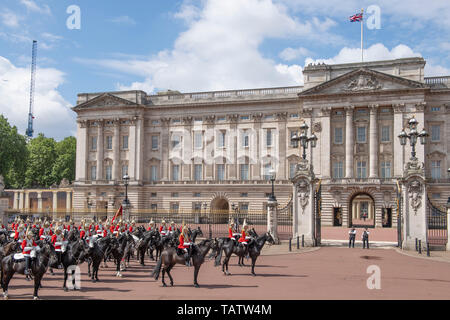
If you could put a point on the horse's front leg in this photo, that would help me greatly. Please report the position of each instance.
(6, 279)
(37, 284)
(253, 265)
(65, 280)
(197, 268)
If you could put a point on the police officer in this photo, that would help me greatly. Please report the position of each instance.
(365, 238)
(352, 236)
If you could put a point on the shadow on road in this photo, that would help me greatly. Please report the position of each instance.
(215, 286)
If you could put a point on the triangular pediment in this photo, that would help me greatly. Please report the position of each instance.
(362, 80)
(104, 100)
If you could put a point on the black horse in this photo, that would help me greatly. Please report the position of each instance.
(144, 243)
(118, 250)
(38, 267)
(74, 255)
(96, 255)
(254, 250)
(169, 258)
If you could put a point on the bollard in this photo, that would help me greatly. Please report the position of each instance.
(420, 246)
(428, 250)
(298, 242)
(290, 244)
(416, 245)
(303, 240)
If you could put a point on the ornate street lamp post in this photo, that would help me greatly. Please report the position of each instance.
(272, 197)
(126, 202)
(304, 139)
(412, 136)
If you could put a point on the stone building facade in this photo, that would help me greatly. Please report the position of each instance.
(209, 150)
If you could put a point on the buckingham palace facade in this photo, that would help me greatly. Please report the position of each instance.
(212, 150)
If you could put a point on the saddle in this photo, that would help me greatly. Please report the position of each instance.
(18, 257)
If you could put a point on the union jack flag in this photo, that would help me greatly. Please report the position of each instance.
(356, 17)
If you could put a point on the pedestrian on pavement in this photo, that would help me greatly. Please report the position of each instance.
(365, 238)
(352, 236)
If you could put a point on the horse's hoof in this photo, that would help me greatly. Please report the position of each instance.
(196, 285)
(171, 284)
(254, 274)
(164, 285)
(66, 289)
(35, 298)
(6, 297)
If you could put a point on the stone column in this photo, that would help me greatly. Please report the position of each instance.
(140, 149)
(165, 146)
(272, 223)
(399, 150)
(349, 142)
(373, 145)
(55, 202)
(116, 173)
(39, 198)
(281, 155)
(82, 151)
(16, 198)
(68, 201)
(27, 201)
(132, 149)
(325, 143)
(256, 172)
(100, 150)
(21, 200)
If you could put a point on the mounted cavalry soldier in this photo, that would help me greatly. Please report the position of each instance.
(99, 229)
(46, 231)
(245, 237)
(132, 227)
(28, 245)
(173, 227)
(71, 225)
(151, 226)
(231, 234)
(20, 234)
(163, 229)
(185, 245)
(59, 243)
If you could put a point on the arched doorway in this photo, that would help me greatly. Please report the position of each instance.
(219, 205)
(220, 210)
(361, 211)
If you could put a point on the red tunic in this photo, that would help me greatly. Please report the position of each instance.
(19, 235)
(162, 230)
(41, 232)
(27, 246)
(57, 241)
(243, 236)
(131, 229)
(183, 244)
(230, 232)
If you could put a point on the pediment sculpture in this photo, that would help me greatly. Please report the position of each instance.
(363, 82)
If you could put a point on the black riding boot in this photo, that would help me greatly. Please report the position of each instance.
(187, 259)
(27, 270)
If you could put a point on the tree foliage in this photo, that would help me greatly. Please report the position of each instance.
(13, 155)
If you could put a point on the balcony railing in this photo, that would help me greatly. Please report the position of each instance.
(437, 80)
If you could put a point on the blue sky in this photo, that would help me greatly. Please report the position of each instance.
(191, 45)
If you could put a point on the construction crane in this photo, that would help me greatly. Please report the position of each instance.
(29, 131)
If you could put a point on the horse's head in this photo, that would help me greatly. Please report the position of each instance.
(270, 238)
(199, 231)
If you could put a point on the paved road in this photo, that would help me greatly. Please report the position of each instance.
(327, 273)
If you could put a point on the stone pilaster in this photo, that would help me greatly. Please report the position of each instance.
(349, 142)
(82, 151)
(165, 146)
(373, 142)
(39, 198)
(100, 143)
(55, 201)
(399, 150)
(282, 147)
(325, 143)
(116, 172)
(272, 222)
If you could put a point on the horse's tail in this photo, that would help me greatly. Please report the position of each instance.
(157, 269)
(218, 257)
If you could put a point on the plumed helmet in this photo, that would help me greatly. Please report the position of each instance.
(172, 222)
(151, 222)
(133, 222)
(21, 227)
(46, 224)
(29, 234)
(163, 221)
(231, 223)
(86, 225)
(245, 225)
(185, 228)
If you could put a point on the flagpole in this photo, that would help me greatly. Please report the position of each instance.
(362, 48)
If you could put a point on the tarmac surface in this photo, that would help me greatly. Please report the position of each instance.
(307, 273)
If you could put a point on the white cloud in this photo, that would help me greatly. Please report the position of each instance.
(53, 115)
(220, 48)
(9, 18)
(123, 20)
(32, 6)
(373, 53)
(289, 54)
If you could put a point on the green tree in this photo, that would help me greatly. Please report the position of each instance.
(64, 166)
(13, 155)
(41, 159)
